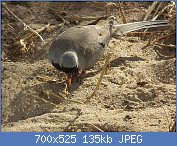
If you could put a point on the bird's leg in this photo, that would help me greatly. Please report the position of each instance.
(82, 74)
(69, 79)
(79, 75)
(75, 77)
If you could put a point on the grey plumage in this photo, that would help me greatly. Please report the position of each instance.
(86, 44)
(129, 27)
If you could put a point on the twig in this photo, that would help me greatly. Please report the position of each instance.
(173, 128)
(166, 114)
(164, 45)
(25, 25)
(122, 13)
(38, 30)
(58, 16)
(155, 17)
(44, 78)
(163, 37)
(156, 11)
(44, 100)
(62, 97)
(164, 56)
(87, 18)
(150, 9)
(43, 28)
(148, 32)
(97, 20)
(150, 39)
(166, 117)
(100, 79)
(96, 127)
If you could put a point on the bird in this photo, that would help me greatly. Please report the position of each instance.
(80, 47)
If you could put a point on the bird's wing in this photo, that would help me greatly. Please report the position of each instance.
(90, 42)
(122, 29)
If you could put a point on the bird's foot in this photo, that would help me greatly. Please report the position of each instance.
(69, 79)
(78, 76)
(75, 77)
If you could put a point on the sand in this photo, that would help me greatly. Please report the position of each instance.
(138, 93)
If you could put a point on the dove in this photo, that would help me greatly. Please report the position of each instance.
(80, 47)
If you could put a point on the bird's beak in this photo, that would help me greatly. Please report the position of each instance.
(69, 79)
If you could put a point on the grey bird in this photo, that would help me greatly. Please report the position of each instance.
(79, 48)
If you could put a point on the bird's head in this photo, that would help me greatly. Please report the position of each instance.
(69, 64)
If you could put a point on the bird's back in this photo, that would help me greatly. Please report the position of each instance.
(89, 42)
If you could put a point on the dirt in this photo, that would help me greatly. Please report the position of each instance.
(138, 93)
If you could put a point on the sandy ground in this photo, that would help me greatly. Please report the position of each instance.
(138, 93)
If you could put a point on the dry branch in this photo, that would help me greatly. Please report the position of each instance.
(25, 43)
(164, 45)
(57, 15)
(122, 13)
(100, 79)
(158, 8)
(25, 25)
(173, 128)
(150, 9)
(44, 78)
(62, 97)
(162, 38)
(96, 127)
(97, 20)
(87, 18)
(160, 12)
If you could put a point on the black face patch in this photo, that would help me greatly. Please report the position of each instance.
(65, 69)
(69, 70)
(56, 65)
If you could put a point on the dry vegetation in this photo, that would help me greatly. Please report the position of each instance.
(138, 92)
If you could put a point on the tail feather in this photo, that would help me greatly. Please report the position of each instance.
(122, 29)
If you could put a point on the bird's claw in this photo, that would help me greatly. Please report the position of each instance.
(75, 77)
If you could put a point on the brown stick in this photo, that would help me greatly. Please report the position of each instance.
(173, 128)
(163, 37)
(100, 79)
(25, 25)
(122, 13)
(97, 127)
(62, 97)
(150, 9)
(164, 45)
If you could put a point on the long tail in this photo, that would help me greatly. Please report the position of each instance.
(122, 29)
